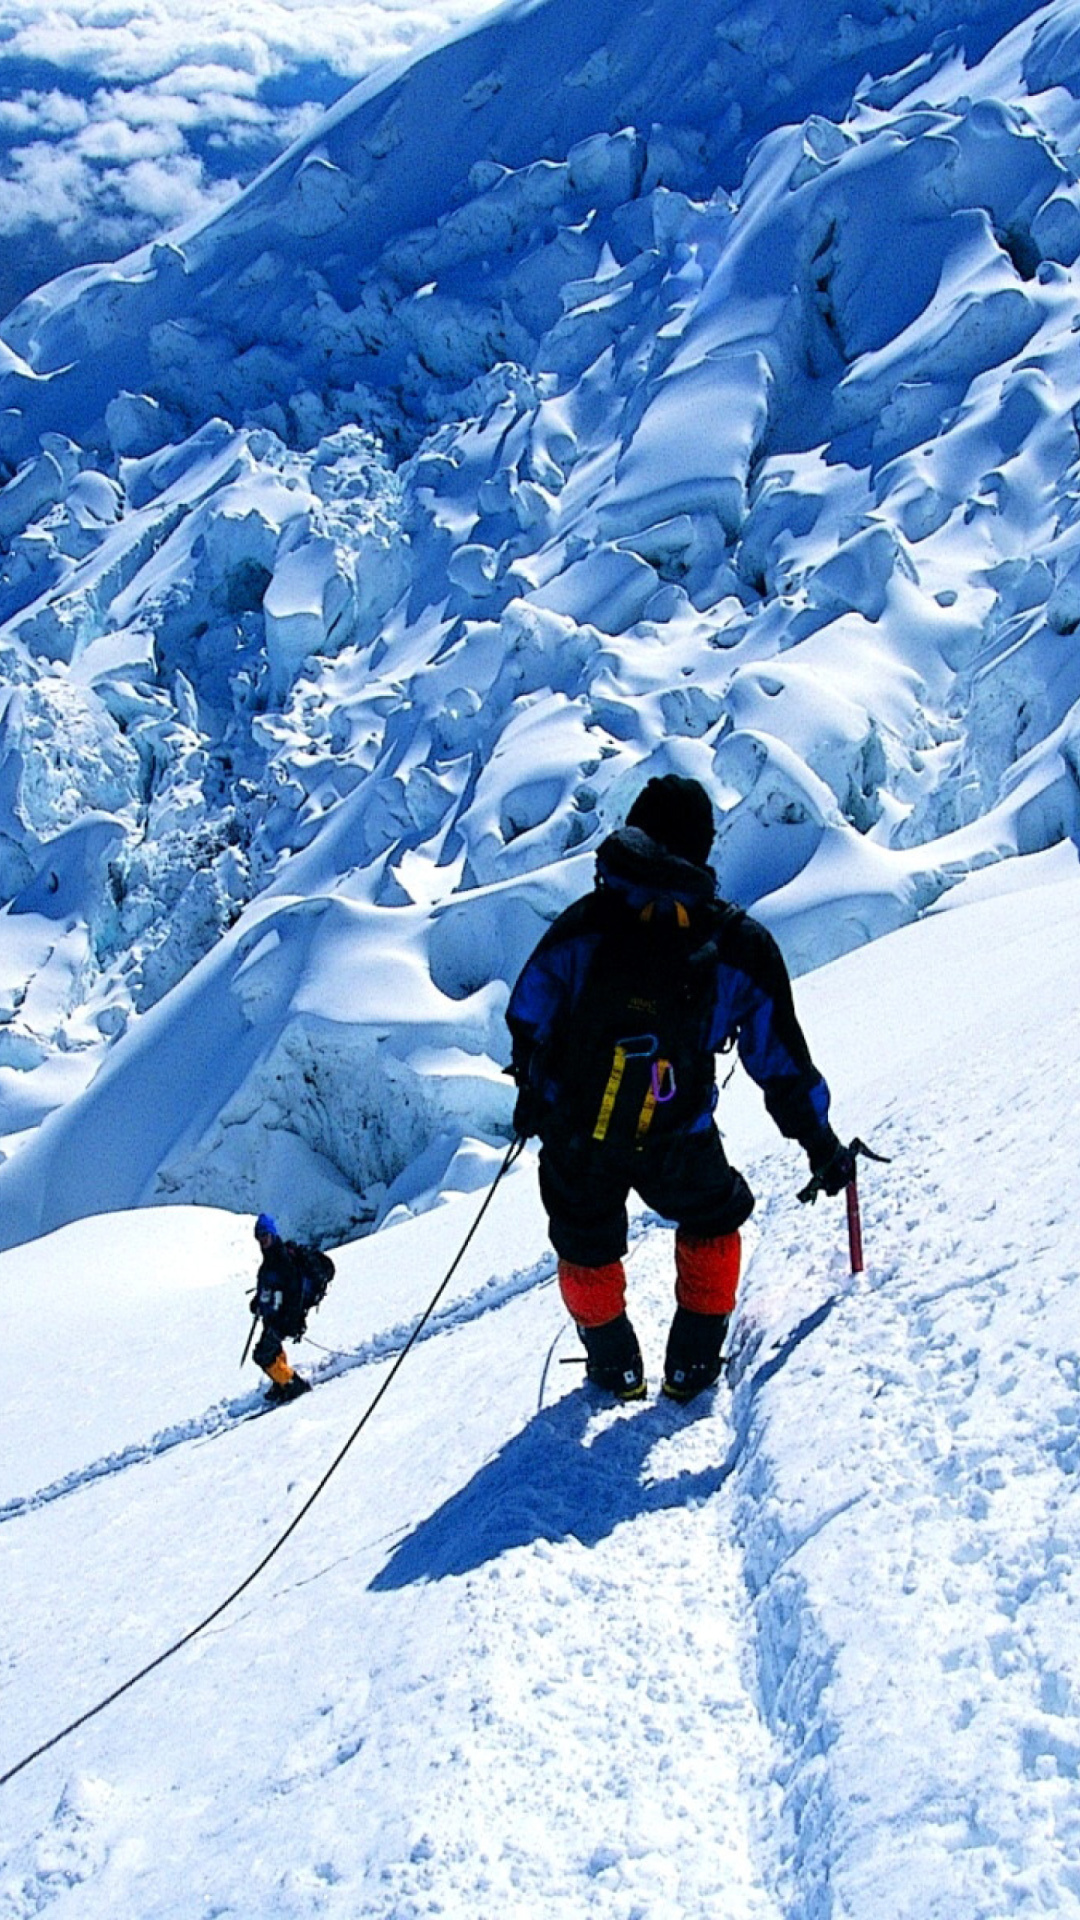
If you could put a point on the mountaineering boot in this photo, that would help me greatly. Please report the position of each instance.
(693, 1361)
(279, 1392)
(613, 1359)
(285, 1384)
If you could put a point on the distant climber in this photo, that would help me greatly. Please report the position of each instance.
(615, 1022)
(290, 1281)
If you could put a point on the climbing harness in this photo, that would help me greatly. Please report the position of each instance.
(515, 1148)
(659, 1090)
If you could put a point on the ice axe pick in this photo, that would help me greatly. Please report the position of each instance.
(851, 1196)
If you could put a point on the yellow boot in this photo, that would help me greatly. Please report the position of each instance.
(279, 1370)
(286, 1383)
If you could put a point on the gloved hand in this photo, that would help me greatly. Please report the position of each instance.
(253, 1303)
(832, 1165)
(837, 1172)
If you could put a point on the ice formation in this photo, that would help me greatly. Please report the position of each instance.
(703, 397)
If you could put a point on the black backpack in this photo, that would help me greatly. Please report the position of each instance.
(309, 1273)
(315, 1270)
(633, 1064)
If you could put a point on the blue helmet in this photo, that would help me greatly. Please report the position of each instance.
(266, 1227)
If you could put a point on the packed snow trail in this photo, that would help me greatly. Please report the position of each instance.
(199, 1627)
(808, 1650)
(226, 1414)
(64, 1297)
(607, 1620)
(582, 1482)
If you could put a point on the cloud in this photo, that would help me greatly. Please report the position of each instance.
(171, 191)
(44, 184)
(122, 118)
(51, 114)
(145, 39)
(116, 140)
(128, 202)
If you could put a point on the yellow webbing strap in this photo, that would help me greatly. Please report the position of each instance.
(603, 1118)
(648, 1108)
(649, 1104)
(682, 917)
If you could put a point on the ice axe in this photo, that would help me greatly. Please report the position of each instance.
(851, 1195)
(854, 1223)
(248, 1341)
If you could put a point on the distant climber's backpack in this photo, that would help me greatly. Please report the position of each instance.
(633, 1062)
(309, 1273)
(316, 1270)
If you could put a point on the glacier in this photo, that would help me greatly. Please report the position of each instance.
(703, 399)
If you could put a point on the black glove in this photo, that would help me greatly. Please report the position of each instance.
(838, 1171)
(834, 1165)
(528, 1112)
(833, 1168)
(254, 1303)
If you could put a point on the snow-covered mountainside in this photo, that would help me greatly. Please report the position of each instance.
(804, 1650)
(610, 390)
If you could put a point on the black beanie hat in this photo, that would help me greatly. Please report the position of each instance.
(677, 813)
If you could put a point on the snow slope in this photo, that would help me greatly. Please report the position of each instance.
(808, 1649)
(702, 398)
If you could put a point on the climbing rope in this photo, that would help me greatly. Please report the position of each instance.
(91, 1713)
(335, 1353)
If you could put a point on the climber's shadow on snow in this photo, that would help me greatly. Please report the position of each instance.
(552, 1482)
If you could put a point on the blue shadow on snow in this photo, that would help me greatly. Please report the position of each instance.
(549, 1484)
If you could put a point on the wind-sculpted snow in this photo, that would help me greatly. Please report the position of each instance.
(702, 399)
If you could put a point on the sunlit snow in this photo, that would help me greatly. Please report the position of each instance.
(805, 1650)
(599, 391)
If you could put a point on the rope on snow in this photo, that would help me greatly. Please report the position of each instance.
(91, 1713)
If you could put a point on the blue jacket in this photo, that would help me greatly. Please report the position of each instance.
(741, 995)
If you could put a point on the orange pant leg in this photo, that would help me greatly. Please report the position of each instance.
(707, 1272)
(593, 1295)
